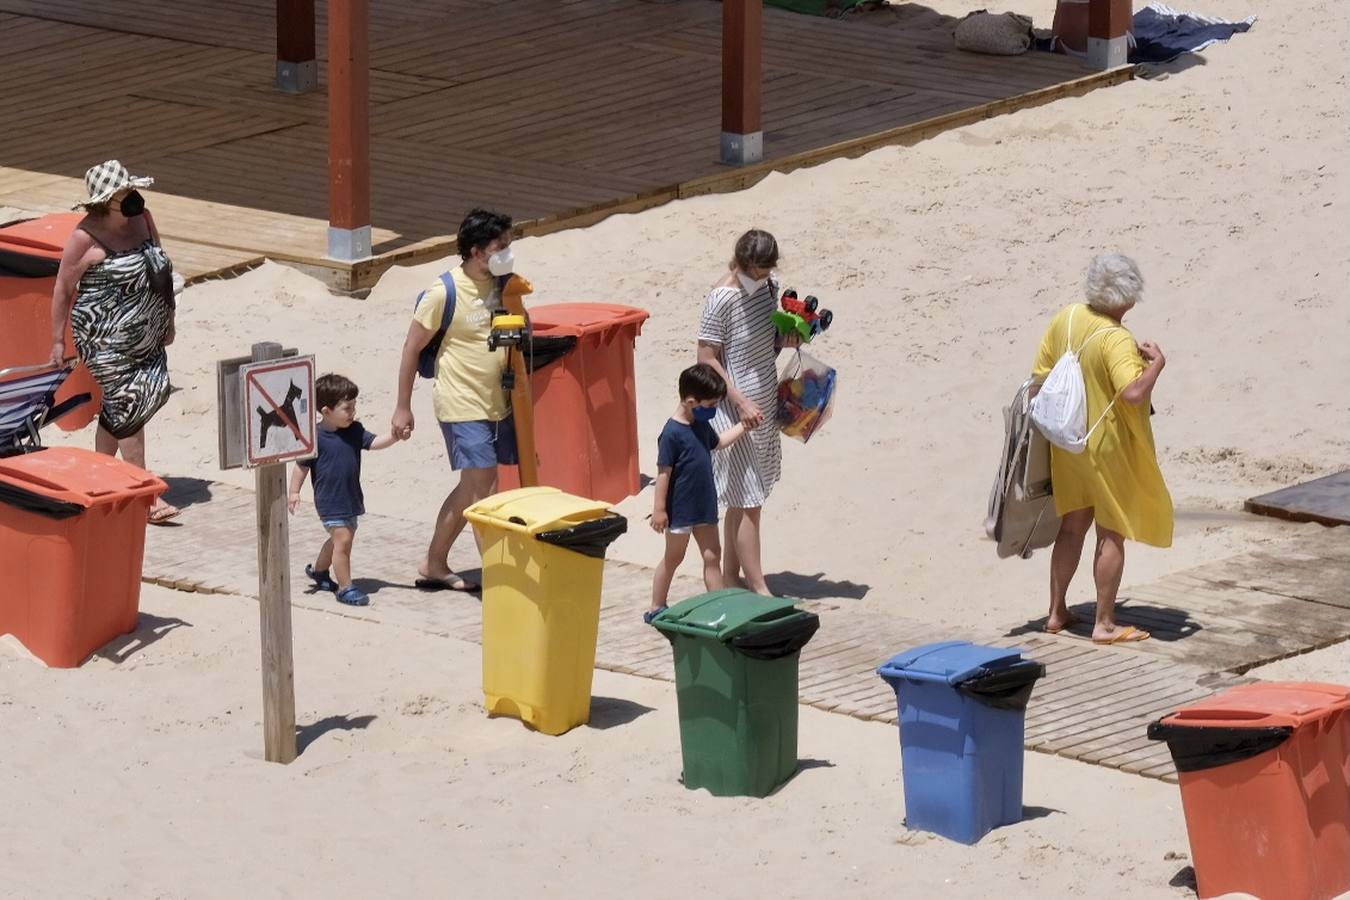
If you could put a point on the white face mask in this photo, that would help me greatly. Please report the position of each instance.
(502, 262)
(749, 284)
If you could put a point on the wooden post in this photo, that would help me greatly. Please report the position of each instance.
(742, 77)
(349, 129)
(522, 397)
(274, 601)
(297, 70)
(1108, 20)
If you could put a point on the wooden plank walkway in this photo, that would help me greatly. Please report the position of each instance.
(1246, 611)
(596, 106)
(1093, 705)
(1325, 501)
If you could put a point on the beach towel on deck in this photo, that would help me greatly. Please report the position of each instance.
(1162, 33)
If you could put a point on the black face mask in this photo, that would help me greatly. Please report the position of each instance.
(133, 205)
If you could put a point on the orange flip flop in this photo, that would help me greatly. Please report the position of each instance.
(1127, 635)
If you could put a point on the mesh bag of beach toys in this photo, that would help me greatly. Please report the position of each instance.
(805, 396)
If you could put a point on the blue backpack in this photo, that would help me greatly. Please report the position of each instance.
(426, 360)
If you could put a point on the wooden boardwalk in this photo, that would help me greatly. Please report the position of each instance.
(1093, 705)
(558, 111)
(1248, 610)
(1325, 501)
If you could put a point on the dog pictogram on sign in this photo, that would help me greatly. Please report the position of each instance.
(279, 409)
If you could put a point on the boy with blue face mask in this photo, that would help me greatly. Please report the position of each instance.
(686, 496)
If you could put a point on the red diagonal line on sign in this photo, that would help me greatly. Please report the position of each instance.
(295, 429)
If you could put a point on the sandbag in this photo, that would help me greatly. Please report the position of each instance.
(999, 34)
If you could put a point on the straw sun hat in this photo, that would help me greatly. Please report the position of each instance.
(106, 179)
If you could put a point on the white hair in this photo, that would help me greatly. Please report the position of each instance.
(1113, 283)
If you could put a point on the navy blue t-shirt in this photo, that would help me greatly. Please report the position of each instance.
(687, 449)
(336, 471)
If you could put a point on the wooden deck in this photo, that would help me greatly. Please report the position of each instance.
(1325, 501)
(1094, 704)
(558, 111)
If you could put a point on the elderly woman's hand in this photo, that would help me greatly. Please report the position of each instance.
(1152, 354)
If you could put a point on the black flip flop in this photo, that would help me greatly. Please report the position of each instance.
(438, 584)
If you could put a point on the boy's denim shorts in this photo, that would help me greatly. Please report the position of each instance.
(480, 444)
(330, 524)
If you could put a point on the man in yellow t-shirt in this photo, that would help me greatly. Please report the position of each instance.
(470, 402)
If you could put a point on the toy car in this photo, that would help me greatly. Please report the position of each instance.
(801, 317)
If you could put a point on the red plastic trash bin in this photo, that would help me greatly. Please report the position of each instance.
(72, 539)
(585, 402)
(1265, 785)
(30, 253)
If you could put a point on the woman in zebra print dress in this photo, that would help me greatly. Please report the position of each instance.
(115, 284)
(737, 337)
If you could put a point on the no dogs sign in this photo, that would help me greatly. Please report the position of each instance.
(278, 410)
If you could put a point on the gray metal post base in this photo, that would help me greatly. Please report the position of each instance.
(297, 77)
(1107, 53)
(349, 244)
(742, 149)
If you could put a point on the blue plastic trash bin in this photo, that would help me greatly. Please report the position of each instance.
(962, 720)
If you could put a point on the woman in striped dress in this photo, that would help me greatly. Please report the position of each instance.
(737, 337)
(115, 285)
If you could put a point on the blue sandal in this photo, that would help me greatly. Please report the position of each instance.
(320, 578)
(651, 615)
(353, 596)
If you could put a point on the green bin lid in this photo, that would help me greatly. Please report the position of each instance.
(723, 614)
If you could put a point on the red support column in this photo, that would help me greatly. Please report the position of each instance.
(349, 129)
(297, 71)
(1108, 20)
(742, 81)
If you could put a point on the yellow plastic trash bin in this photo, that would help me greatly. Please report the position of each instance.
(543, 566)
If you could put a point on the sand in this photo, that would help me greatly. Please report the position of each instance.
(1225, 179)
(139, 775)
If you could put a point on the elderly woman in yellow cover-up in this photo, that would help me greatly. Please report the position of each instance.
(1115, 482)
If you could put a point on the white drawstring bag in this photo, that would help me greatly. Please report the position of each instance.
(1059, 410)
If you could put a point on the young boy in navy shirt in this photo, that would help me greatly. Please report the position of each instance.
(686, 496)
(337, 484)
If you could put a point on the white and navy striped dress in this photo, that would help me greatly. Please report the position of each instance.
(742, 325)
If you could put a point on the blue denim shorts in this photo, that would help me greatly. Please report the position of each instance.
(330, 524)
(480, 444)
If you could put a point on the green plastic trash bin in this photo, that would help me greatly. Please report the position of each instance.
(736, 685)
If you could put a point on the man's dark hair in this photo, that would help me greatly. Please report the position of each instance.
(702, 382)
(330, 390)
(480, 228)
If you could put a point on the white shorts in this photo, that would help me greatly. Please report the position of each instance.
(689, 529)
